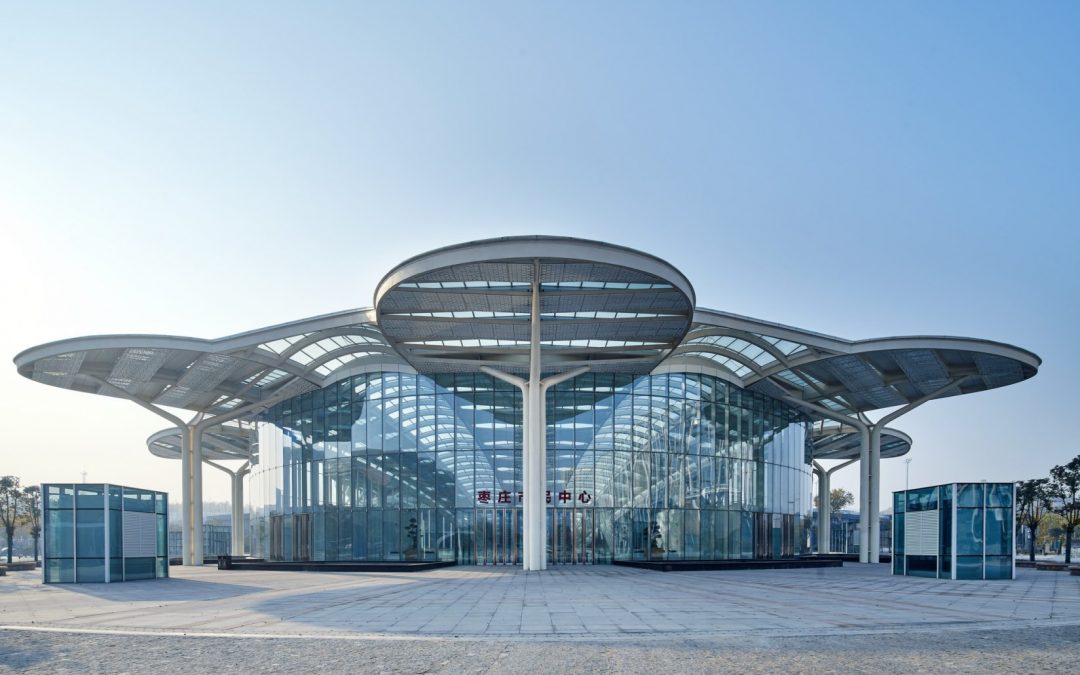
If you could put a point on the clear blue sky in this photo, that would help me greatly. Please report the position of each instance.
(861, 171)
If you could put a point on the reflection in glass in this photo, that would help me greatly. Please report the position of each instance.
(670, 466)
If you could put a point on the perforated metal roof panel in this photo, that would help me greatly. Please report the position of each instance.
(464, 306)
(460, 307)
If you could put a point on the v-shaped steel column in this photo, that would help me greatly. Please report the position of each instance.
(191, 461)
(824, 530)
(534, 423)
(236, 483)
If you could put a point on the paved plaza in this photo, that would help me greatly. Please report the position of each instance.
(580, 618)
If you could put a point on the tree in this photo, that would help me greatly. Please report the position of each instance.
(1065, 488)
(9, 509)
(1032, 505)
(31, 501)
(839, 498)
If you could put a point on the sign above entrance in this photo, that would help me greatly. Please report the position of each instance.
(562, 498)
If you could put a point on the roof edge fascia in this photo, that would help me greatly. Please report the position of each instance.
(810, 338)
(179, 342)
(510, 248)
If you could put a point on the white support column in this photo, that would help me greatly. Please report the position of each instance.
(534, 436)
(527, 453)
(535, 516)
(546, 384)
(875, 442)
(191, 460)
(198, 425)
(875, 492)
(864, 495)
(864, 468)
(185, 456)
(236, 483)
(237, 548)
(196, 529)
(185, 494)
(534, 478)
(825, 503)
(824, 509)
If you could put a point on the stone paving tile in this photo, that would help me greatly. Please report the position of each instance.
(579, 601)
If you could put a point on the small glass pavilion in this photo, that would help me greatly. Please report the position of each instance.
(101, 532)
(954, 531)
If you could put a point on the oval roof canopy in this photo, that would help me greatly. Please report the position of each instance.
(460, 307)
(846, 376)
(226, 441)
(214, 376)
(831, 440)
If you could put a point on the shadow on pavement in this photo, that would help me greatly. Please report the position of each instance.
(161, 589)
(21, 650)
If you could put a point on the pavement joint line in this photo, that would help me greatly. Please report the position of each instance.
(602, 604)
(621, 632)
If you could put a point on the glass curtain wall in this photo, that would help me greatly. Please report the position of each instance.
(954, 531)
(96, 532)
(394, 466)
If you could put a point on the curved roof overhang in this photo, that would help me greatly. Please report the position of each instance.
(466, 306)
(845, 376)
(214, 376)
(831, 440)
(226, 441)
(460, 307)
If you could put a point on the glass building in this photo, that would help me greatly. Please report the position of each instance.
(955, 531)
(395, 466)
(527, 400)
(96, 532)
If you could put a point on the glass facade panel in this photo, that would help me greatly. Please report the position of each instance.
(90, 533)
(59, 570)
(89, 496)
(999, 567)
(88, 529)
(969, 567)
(670, 466)
(59, 496)
(969, 531)
(60, 532)
(922, 566)
(998, 532)
(923, 499)
(90, 569)
(969, 495)
(1000, 495)
(974, 524)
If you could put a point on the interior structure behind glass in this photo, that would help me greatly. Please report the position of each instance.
(388, 466)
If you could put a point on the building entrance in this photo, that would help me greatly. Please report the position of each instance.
(571, 536)
(497, 536)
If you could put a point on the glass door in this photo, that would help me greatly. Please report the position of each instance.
(276, 538)
(497, 536)
(571, 537)
(302, 536)
(763, 539)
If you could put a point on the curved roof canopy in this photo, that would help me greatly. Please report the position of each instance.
(460, 307)
(831, 440)
(845, 376)
(214, 376)
(226, 441)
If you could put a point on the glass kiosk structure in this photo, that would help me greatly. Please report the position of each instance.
(97, 532)
(955, 531)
